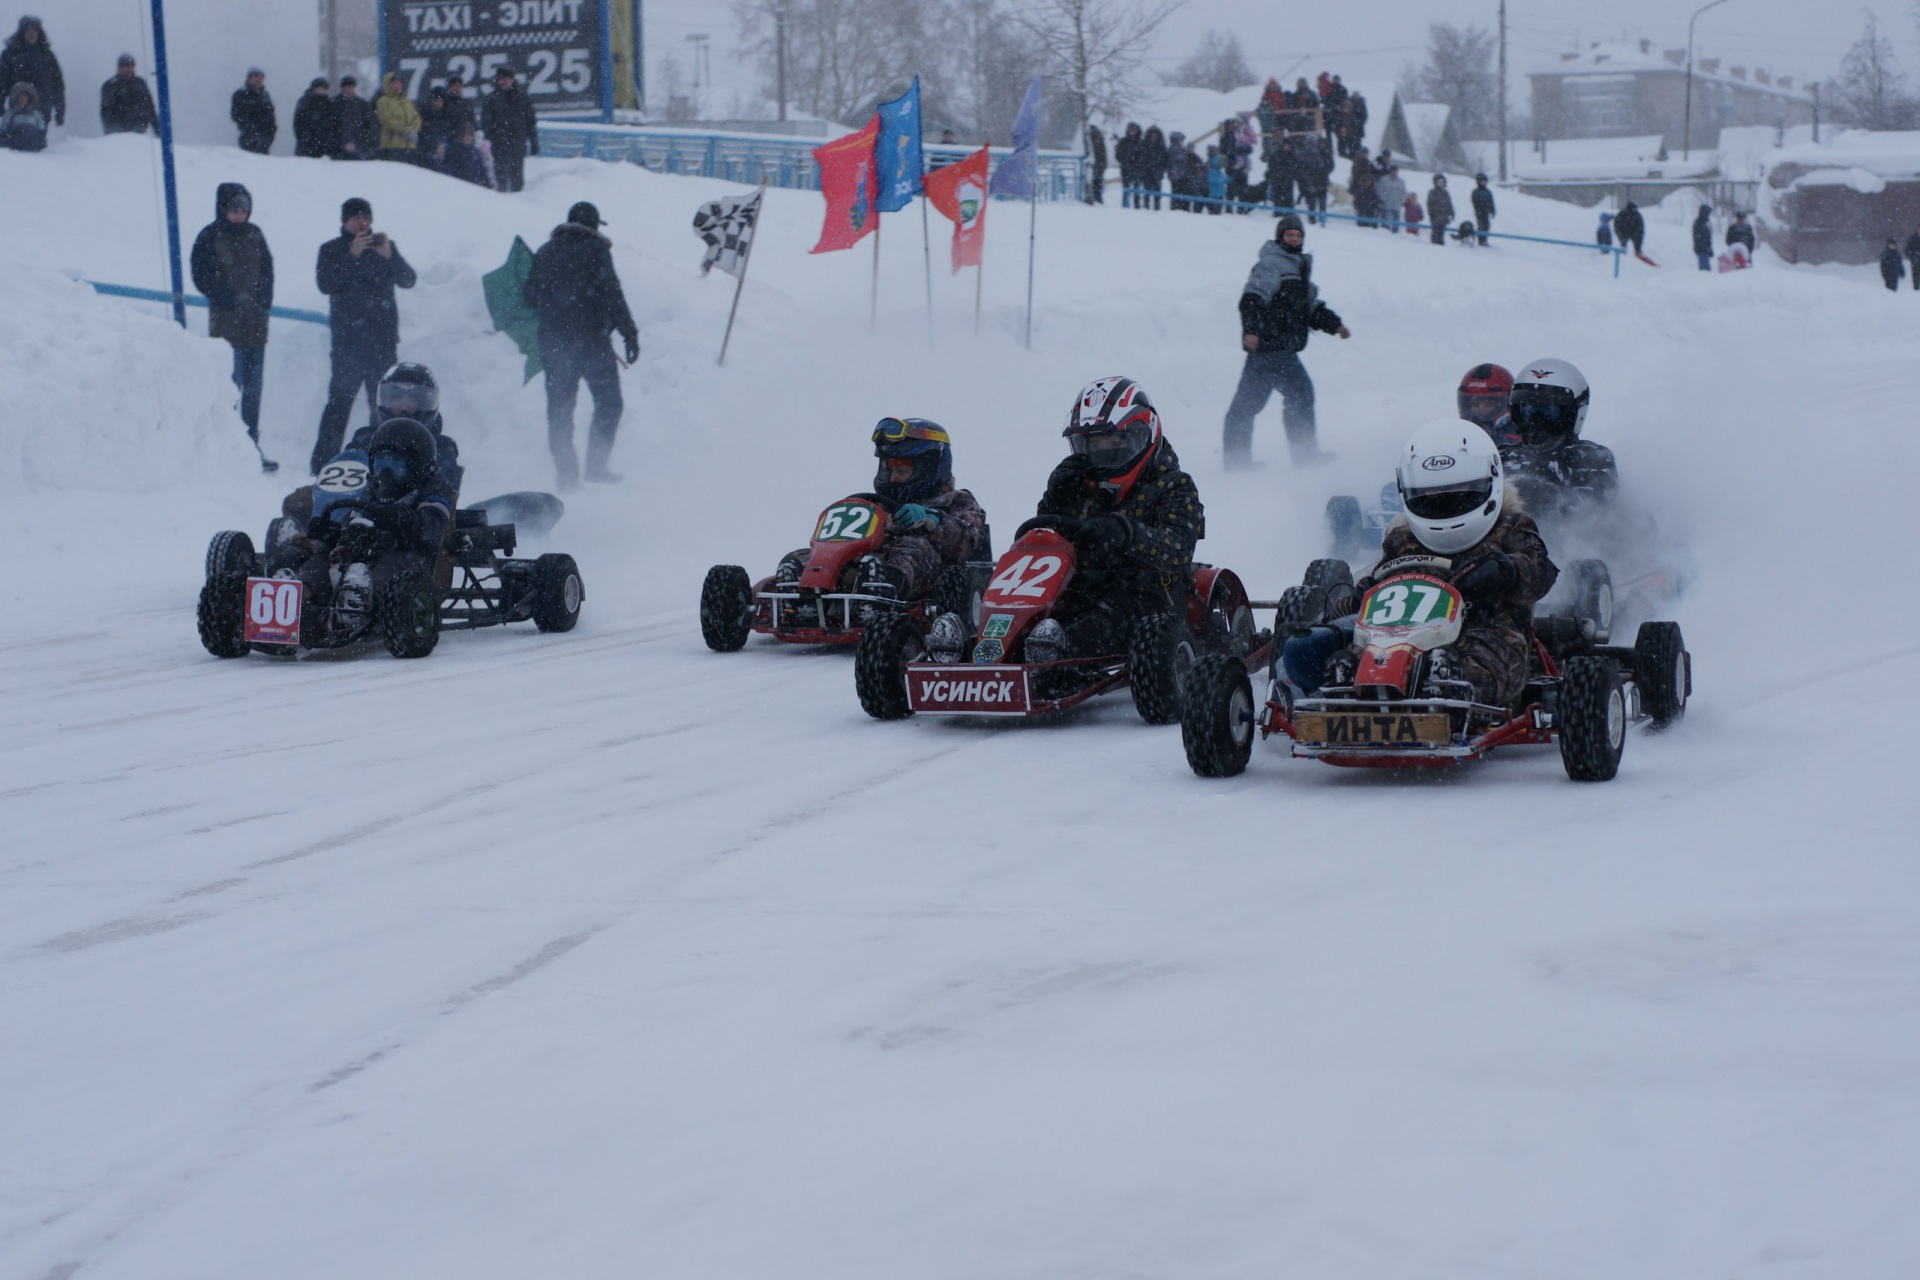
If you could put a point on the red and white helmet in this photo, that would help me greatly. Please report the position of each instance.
(1112, 425)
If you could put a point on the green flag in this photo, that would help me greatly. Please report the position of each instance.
(507, 304)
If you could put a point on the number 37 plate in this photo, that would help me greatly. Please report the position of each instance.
(273, 610)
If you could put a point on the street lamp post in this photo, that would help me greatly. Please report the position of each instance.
(1686, 128)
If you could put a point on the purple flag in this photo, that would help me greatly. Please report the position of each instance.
(1015, 175)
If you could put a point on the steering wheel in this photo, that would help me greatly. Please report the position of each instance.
(1066, 526)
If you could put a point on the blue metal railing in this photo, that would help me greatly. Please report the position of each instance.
(1379, 220)
(750, 157)
(195, 300)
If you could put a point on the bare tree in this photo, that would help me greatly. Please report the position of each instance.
(1458, 72)
(1870, 91)
(1095, 48)
(1218, 64)
(676, 104)
(843, 55)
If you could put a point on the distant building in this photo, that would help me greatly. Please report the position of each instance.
(1842, 199)
(1624, 90)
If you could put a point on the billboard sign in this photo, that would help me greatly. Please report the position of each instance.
(560, 48)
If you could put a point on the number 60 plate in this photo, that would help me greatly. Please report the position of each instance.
(273, 610)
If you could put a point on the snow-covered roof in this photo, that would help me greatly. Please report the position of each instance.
(1893, 155)
(1427, 126)
(1605, 58)
(1193, 112)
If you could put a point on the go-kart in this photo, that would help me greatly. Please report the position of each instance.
(1583, 692)
(252, 601)
(1015, 664)
(835, 595)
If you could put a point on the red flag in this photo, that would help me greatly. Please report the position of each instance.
(959, 192)
(847, 181)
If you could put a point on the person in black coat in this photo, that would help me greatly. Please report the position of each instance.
(1891, 268)
(1483, 206)
(1153, 163)
(508, 119)
(1126, 154)
(29, 59)
(356, 125)
(577, 294)
(126, 104)
(233, 268)
(436, 131)
(313, 121)
(1912, 248)
(1096, 165)
(459, 108)
(1741, 232)
(1278, 307)
(253, 111)
(462, 159)
(1703, 237)
(358, 270)
(1439, 208)
(1630, 228)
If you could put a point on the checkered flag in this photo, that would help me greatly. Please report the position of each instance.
(727, 227)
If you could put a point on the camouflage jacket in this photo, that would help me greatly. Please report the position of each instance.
(1162, 504)
(1514, 533)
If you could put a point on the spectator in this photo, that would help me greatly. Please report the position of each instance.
(1360, 183)
(253, 111)
(1629, 228)
(358, 270)
(463, 159)
(577, 294)
(1273, 105)
(1335, 94)
(1483, 206)
(1390, 196)
(436, 131)
(1236, 146)
(1741, 232)
(1278, 307)
(1313, 166)
(126, 104)
(399, 122)
(1411, 213)
(1352, 130)
(1303, 98)
(507, 116)
(1153, 163)
(459, 108)
(1912, 247)
(29, 58)
(1126, 153)
(356, 127)
(1216, 179)
(1184, 174)
(1282, 173)
(1891, 268)
(1324, 86)
(233, 268)
(1096, 164)
(23, 127)
(1703, 237)
(1604, 236)
(1440, 208)
(313, 121)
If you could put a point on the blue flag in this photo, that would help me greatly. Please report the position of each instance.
(896, 157)
(1014, 177)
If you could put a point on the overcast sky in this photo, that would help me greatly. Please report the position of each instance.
(1372, 39)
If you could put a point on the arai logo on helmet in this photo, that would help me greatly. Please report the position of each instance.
(1438, 462)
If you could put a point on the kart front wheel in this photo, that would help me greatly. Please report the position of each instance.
(410, 614)
(1160, 657)
(887, 645)
(726, 608)
(230, 551)
(1663, 669)
(1216, 726)
(557, 592)
(222, 613)
(957, 591)
(1592, 715)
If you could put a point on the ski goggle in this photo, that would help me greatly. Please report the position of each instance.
(1544, 414)
(1113, 446)
(900, 430)
(409, 400)
(397, 467)
(1450, 503)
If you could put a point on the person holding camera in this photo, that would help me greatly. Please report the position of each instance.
(358, 270)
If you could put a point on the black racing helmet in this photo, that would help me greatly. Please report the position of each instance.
(401, 457)
(408, 391)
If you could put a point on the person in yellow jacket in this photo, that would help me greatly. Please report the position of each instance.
(399, 122)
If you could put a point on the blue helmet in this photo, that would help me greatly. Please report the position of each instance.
(926, 444)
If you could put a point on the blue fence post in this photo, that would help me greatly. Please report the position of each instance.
(713, 151)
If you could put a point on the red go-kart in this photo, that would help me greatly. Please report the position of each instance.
(836, 594)
(1015, 663)
(1583, 693)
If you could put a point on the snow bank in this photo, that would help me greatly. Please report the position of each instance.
(101, 395)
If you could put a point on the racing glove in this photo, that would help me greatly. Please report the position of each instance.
(1067, 485)
(1105, 536)
(1489, 576)
(911, 517)
(429, 526)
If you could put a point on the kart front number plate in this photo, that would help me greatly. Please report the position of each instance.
(968, 690)
(273, 610)
(1361, 729)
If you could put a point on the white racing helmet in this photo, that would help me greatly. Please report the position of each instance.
(1450, 483)
(1548, 402)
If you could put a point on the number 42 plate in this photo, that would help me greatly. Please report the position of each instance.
(273, 610)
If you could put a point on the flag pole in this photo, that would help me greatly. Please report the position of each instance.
(979, 272)
(746, 260)
(926, 252)
(873, 297)
(1033, 220)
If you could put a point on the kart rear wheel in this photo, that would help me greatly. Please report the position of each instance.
(1592, 716)
(1322, 574)
(1593, 596)
(557, 592)
(1160, 658)
(887, 644)
(1663, 670)
(409, 608)
(726, 608)
(222, 613)
(231, 551)
(1344, 518)
(957, 591)
(1216, 727)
